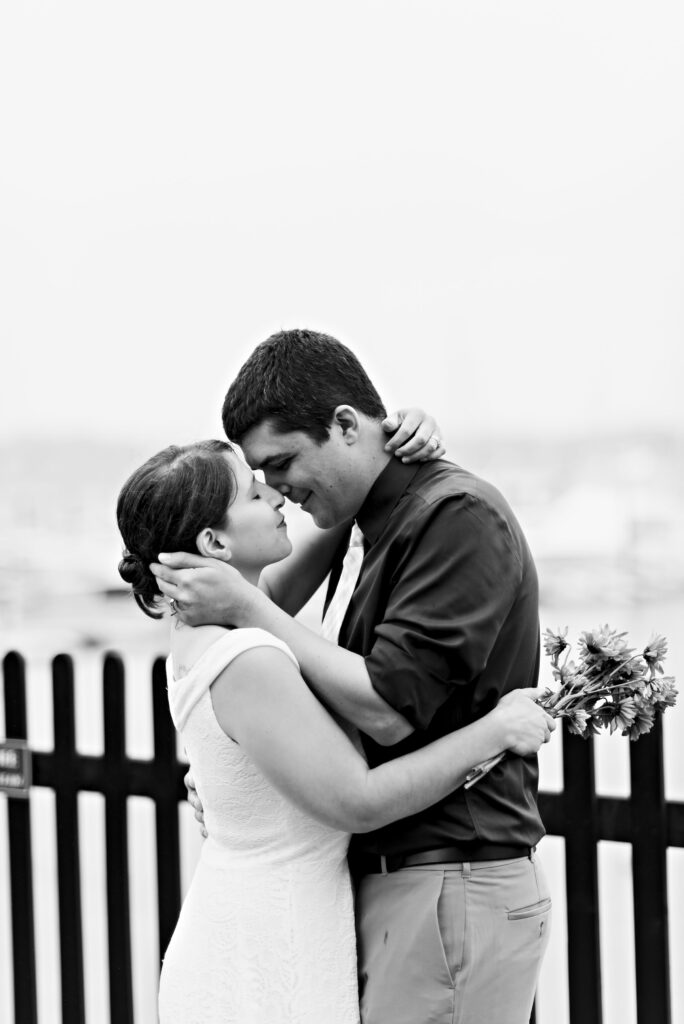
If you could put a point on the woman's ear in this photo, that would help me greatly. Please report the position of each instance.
(213, 544)
(347, 418)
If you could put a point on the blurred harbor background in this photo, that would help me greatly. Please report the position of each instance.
(604, 515)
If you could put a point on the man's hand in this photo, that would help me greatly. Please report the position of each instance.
(416, 436)
(204, 591)
(526, 724)
(194, 799)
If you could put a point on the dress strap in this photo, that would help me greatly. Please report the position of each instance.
(185, 692)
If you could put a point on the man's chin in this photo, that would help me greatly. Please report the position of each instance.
(323, 520)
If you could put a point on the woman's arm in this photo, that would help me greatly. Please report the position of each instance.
(337, 676)
(210, 590)
(262, 702)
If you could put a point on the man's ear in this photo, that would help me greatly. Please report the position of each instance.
(347, 419)
(213, 544)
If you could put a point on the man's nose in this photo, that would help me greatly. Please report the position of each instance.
(278, 485)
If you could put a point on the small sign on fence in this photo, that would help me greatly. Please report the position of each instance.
(15, 768)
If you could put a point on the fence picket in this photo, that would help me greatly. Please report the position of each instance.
(649, 878)
(116, 828)
(65, 782)
(21, 881)
(581, 880)
(167, 797)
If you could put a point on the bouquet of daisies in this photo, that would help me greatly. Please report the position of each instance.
(611, 686)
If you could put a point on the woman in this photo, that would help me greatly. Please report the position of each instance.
(266, 932)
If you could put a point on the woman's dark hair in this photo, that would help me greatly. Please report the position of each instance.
(165, 504)
(297, 379)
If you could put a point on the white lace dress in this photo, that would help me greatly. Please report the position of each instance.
(266, 932)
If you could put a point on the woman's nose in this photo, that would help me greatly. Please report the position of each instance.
(276, 495)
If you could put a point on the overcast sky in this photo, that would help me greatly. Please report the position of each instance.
(484, 200)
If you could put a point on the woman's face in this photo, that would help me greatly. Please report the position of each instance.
(255, 527)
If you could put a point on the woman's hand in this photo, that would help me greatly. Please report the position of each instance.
(526, 725)
(415, 436)
(194, 800)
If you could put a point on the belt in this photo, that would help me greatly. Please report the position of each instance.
(374, 864)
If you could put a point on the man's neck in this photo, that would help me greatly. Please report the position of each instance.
(375, 458)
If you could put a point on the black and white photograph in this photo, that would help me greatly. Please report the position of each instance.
(342, 512)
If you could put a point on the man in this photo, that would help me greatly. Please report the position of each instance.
(452, 908)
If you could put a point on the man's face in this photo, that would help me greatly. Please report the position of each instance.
(318, 477)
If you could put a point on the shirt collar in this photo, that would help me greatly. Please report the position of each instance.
(384, 496)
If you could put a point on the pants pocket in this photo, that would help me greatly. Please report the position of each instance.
(451, 922)
(533, 910)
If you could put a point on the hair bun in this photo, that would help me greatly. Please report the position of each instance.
(132, 569)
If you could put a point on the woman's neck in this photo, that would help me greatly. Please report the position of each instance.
(250, 574)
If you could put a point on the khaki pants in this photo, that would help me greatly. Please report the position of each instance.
(452, 943)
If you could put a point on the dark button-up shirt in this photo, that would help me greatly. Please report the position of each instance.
(445, 613)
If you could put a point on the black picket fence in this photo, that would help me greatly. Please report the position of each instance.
(582, 818)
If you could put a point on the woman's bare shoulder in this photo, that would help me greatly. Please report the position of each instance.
(188, 644)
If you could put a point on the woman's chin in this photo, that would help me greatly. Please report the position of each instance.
(287, 550)
(277, 556)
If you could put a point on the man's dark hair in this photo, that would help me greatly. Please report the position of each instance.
(297, 379)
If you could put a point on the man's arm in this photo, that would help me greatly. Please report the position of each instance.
(208, 590)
